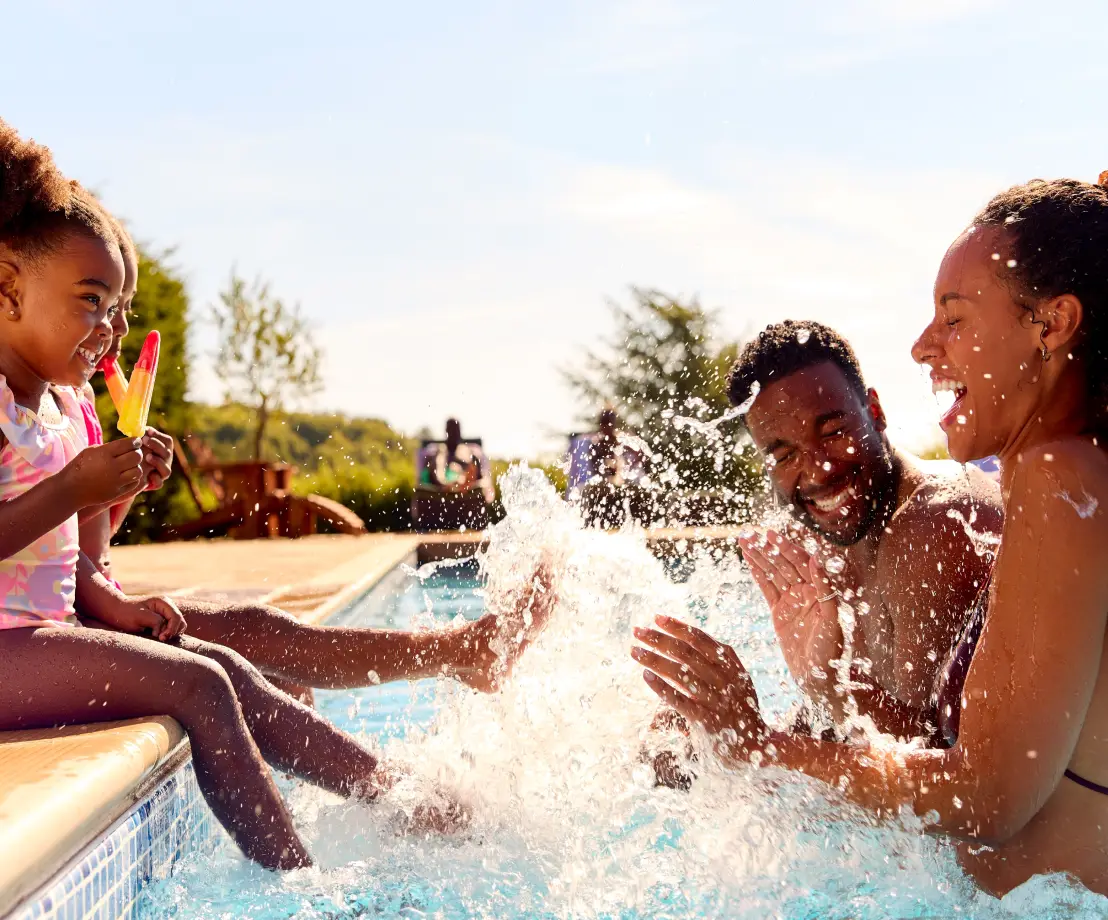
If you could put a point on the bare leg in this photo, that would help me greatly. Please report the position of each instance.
(298, 692)
(54, 676)
(291, 736)
(282, 647)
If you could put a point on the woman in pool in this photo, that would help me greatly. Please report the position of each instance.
(1020, 771)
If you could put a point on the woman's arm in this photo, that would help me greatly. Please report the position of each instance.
(1028, 689)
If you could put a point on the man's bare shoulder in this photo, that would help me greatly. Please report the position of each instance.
(942, 537)
(950, 497)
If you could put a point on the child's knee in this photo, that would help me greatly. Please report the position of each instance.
(205, 684)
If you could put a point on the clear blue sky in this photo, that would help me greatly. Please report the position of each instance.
(452, 190)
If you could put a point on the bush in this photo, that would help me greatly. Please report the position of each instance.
(382, 500)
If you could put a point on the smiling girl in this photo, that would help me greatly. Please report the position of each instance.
(61, 277)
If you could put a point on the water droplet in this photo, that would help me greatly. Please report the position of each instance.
(835, 565)
(802, 335)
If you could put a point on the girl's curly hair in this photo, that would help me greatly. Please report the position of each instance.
(38, 205)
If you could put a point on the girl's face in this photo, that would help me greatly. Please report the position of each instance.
(120, 315)
(60, 314)
(982, 347)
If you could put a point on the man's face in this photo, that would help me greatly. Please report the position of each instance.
(825, 451)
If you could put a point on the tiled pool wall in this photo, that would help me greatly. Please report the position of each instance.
(105, 881)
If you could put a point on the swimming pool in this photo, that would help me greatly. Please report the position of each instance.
(566, 818)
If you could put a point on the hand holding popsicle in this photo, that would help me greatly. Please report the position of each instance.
(136, 404)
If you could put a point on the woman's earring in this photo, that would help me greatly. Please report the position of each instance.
(1046, 355)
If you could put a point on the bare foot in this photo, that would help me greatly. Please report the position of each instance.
(498, 641)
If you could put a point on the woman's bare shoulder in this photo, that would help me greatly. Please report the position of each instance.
(1073, 471)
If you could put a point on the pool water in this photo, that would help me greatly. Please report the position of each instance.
(567, 821)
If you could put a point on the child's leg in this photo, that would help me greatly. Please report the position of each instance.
(340, 657)
(313, 656)
(291, 736)
(54, 676)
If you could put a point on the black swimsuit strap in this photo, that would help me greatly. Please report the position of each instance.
(1087, 783)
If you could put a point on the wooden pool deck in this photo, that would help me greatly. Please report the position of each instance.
(61, 788)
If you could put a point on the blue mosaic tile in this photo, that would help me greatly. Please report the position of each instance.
(108, 879)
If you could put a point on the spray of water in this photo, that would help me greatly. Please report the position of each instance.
(566, 818)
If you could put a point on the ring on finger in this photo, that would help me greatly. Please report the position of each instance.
(832, 595)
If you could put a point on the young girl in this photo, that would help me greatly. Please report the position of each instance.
(290, 653)
(61, 275)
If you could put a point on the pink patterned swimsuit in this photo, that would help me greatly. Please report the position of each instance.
(38, 584)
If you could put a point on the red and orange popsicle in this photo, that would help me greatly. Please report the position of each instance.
(116, 383)
(136, 403)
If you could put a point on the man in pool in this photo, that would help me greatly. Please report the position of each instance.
(874, 516)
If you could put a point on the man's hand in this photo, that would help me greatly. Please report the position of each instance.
(804, 609)
(105, 473)
(703, 680)
(136, 614)
(157, 458)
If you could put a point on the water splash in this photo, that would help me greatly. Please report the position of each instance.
(1085, 507)
(567, 821)
(983, 542)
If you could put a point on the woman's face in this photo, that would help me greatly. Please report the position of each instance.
(64, 327)
(982, 347)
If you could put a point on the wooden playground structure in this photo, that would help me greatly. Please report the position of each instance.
(254, 499)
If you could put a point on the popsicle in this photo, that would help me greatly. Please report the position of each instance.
(116, 383)
(136, 405)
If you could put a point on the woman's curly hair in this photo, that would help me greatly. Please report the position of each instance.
(1058, 231)
(39, 205)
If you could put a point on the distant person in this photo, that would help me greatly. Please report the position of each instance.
(456, 465)
(607, 456)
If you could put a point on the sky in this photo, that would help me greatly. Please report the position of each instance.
(454, 192)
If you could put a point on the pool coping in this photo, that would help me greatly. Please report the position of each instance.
(130, 758)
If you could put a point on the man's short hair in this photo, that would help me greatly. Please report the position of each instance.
(785, 348)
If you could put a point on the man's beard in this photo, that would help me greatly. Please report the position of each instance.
(880, 505)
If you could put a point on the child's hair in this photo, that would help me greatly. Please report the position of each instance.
(38, 205)
(126, 244)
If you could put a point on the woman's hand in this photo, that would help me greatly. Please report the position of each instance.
(703, 680)
(135, 614)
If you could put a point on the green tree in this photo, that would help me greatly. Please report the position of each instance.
(267, 356)
(664, 371)
(161, 303)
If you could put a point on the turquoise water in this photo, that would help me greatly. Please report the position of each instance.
(566, 819)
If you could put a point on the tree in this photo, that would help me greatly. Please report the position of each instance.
(161, 303)
(665, 373)
(268, 356)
